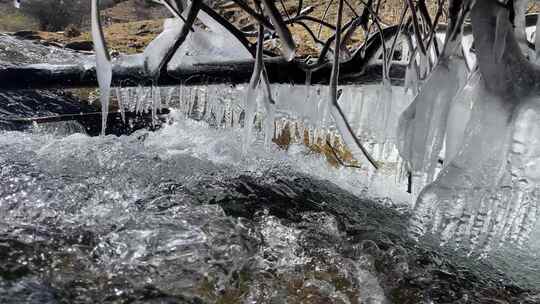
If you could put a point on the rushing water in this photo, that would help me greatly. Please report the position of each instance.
(178, 216)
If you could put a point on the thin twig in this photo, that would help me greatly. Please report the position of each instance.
(416, 27)
(311, 18)
(324, 16)
(258, 17)
(392, 48)
(338, 159)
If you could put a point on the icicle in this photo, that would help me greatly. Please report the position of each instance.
(251, 107)
(278, 128)
(293, 129)
(501, 31)
(142, 94)
(311, 137)
(270, 108)
(423, 123)
(156, 103)
(103, 64)
(121, 106)
(424, 66)
(385, 103)
(308, 85)
(194, 102)
(220, 115)
(411, 78)
(300, 126)
(188, 101)
(359, 105)
(209, 107)
(236, 117)
(537, 40)
(520, 9)
(170, 95)
(229, 117)
(322, 108)
(495, 221)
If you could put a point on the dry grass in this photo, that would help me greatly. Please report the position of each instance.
(12, 20)
(127, 38)
(132, 37)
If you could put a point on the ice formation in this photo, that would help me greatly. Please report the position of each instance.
(537, 40)
(212, 44)
(423, 124)
(460, 141)
(103, 63)
(486, 194)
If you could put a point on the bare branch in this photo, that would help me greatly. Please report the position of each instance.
(281, 28)
(339, 117)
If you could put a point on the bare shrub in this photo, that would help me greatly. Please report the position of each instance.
(55, 15)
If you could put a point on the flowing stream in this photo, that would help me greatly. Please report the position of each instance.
(181, 215)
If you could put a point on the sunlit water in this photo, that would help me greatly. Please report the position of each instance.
(180, 216)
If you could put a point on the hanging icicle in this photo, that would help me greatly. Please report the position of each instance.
(103, 64)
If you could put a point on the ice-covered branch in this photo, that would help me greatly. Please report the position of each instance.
(159, 56)
(251, 102)
(44, 76)
(281, 28)
(349, 137)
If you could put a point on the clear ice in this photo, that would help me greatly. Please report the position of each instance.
(422, 125)
(486, 193)
(103, 64)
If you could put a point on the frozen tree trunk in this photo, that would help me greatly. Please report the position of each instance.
(42, 76)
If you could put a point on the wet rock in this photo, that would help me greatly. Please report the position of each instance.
(15, 51)
(32, 35)
(51, 43)
(80, 45)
